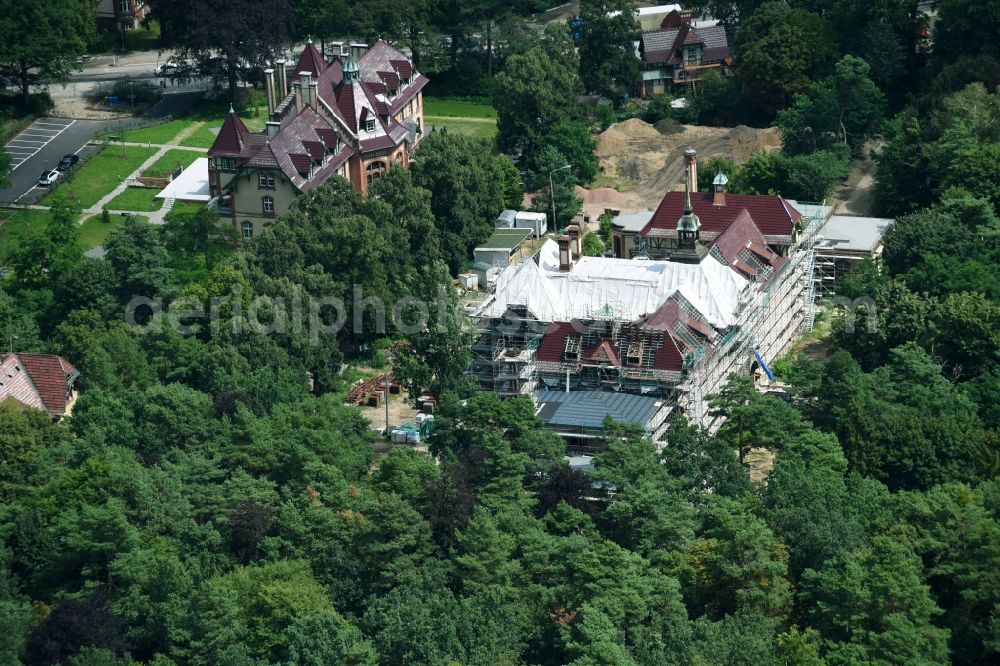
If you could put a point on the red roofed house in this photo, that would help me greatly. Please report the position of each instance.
(39, 381)
(679, 54)
(720, 284)
(770, 219)
(354, 117)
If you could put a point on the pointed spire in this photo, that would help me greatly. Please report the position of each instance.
(688, 222)
(687, 197)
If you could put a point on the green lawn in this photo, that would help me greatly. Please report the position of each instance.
(137, 199)
(203, 137)
(17, 226)
(100, 175)
(252, 110)
(485, 129)
(455, 108)
(170, 161)
(158, 133)
(94, 231)
(183, 208)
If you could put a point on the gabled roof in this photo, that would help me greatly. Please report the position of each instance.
(311, 61)
(602, 352)
(233, 139)
(42, 381)
(771, 214)
(664, 45)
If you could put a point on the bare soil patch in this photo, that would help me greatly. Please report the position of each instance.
(653, 156)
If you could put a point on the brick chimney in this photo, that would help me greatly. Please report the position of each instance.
(269, 78)
(565, 254)
(719, 189)
(272, 128)
(691, 164)
(685, 17)
(573, 231)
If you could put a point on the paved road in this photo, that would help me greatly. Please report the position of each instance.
(45, 141)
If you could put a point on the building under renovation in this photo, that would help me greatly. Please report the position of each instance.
(725, 297)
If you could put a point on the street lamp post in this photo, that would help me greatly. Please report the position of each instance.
(552, 194)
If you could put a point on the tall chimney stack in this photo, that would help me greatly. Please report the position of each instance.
(691, 164)
(269, 78)
(565, 254)
(573, 231)
(282, 79)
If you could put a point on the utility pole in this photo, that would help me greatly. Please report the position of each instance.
(552, 194)
(387, 407)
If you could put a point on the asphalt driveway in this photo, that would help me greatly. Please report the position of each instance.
(43, 143)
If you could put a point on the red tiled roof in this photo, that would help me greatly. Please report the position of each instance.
(663, 319)
(301, 162)
(404, 67)
(327, 136)
(668, 357)
(390, 79)
(311, 61)
(602, 352)
(737, 237)
(552, 344)
(52, 377)
(264, 158)
(378, 143)
(344, 97)
(772, 215)
(233, 137)
(316, 149)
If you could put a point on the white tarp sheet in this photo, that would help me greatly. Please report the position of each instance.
(627, 289)
(191, 185)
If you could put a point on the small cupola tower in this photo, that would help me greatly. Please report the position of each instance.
(719, 189)
(352, 73)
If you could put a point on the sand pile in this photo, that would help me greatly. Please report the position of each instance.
(637, 152)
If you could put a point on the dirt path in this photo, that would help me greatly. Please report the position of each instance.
(855, 196)
(186, 132)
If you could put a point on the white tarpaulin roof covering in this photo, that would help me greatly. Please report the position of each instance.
(191, 185)
(627, 289)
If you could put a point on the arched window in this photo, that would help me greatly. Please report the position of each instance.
(374, 171)
(247, 230)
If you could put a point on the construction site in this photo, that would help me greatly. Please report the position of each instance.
(640, 339)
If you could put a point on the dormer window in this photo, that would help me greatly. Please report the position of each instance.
(370, 125)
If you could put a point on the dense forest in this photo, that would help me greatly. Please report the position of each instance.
(213, 501)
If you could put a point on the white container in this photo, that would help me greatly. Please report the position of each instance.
(537, 222)
(469, 281)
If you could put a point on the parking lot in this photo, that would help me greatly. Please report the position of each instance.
(34, 138)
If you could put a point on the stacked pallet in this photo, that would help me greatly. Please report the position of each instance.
(371, 392)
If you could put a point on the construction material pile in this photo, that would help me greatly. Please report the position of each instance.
(371, 392)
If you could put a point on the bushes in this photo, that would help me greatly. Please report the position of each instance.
(809, 177)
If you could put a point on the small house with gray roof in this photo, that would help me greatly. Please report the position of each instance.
(679, 54)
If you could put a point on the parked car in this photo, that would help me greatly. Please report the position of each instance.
(68, 162)
(48, 178)
(166, 68)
